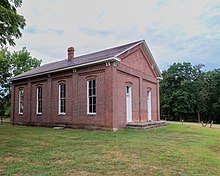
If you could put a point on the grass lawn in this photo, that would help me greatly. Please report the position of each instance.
(172, 150)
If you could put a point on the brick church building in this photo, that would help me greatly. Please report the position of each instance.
(108, 89)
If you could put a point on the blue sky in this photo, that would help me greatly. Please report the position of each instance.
(175, 30)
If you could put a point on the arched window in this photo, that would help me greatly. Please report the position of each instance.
(91, 96)
(62, 98)
(21, 101)
(39, 105)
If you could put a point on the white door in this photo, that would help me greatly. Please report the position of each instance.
(149, 105)
(128, 104)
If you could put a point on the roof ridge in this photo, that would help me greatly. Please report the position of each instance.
(102, 50)
(53, 62)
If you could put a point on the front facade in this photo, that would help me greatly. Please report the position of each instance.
(102, 90)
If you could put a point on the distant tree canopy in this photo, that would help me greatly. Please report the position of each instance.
(12, 64)
(189, 93)
(11, 22)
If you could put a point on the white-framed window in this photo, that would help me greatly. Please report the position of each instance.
(21, 101)
(62, 98)
(39, 107)
(91, 96)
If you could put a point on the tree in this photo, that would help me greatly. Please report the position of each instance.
(22, 61)
(4, 75)
(187, 90)
(212, 84)
(11, 22)
(12, 65)
(4, 68)
(179, 90)
(199, 91)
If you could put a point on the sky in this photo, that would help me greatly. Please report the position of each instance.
(174, 30)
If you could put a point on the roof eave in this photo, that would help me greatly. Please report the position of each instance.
(128, 48)
(67, 68)
(156, 68)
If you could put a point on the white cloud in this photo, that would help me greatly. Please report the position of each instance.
(174, 29)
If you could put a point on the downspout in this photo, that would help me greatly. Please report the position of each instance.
(157, 101)
(158, 95)
(49, 84)
(30, 98)
(140, 98)
(13, 103)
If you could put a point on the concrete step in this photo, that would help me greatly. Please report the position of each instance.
(145, 125)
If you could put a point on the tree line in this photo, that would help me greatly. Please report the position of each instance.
(189, 93)
(12, 64)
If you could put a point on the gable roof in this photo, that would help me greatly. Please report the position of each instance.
(84, 60)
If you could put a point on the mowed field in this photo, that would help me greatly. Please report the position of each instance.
(171, 150)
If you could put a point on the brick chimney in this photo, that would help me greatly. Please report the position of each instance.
(70, 53)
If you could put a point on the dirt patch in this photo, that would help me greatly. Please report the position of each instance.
(44, 144)
(185, 152)
(115, 155)
(24, 149)
(1, 171)
(116, 173)
(11, 159)
(78, 173)
(62, 161)
(215, 149)
(130, 160)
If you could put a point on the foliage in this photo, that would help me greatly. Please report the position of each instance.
(5, 58)
(212, 84)
(12, 64)
(22, 62)
(186, 90)
(11, 22)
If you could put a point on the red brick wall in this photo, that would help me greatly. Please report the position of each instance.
(122, 81)
(56, 118)
(99, 119)
(154, 107)
(39, 118)
(137, 59)
(135, 70)
(76, 99)
(21, 118)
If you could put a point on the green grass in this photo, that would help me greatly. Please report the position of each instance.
(171, 150)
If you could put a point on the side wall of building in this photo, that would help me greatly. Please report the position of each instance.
(136, 72)
(76, 99)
